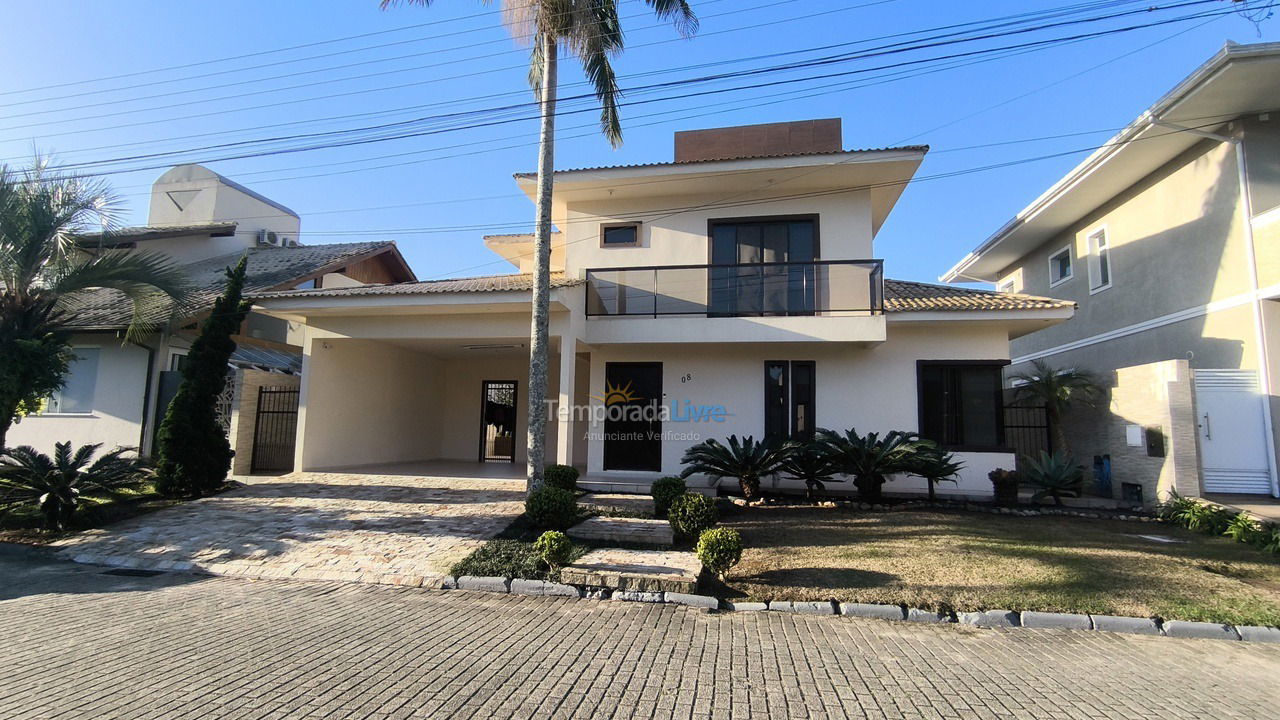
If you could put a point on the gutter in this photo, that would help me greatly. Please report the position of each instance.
(1255, 299)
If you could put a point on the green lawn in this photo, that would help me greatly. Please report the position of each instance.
(973, 561)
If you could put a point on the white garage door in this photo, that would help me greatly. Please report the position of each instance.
(1233, 442)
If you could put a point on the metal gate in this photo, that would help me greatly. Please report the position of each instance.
(1233, 438)
(275, 429)
(1026, 430)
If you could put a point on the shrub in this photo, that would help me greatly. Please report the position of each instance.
(564, 477)
(1171, 510)
(1055, 475)
(720, 549)
(1269, 538)
(1242, 528)
(554, 548)
(744, 460)
(1209, 519)
(1004, 483)
(58, 485)
(665, 491)
(552, 508)
(690, 514)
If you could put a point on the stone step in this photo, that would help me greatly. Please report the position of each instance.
(623, 530)
(633, 487)
(638, 570)
(639, 504)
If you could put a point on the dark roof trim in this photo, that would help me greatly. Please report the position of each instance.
(903, 148)
(125, 236)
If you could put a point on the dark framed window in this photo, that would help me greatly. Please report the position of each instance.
(620, 235)
(789, 398)
(767, 265)
(961, 403)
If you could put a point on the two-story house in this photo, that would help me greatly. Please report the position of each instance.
(731, 291)
(1168, 239)
(117, 390)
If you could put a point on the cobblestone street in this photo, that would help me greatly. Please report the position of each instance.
(83, 644)
(371, 527)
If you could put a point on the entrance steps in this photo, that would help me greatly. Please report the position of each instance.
(631, 485)
(635, 531)
(636, 570)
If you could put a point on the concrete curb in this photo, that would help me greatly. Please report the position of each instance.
(1123, 624)
(1203, 630)
(1056, 621)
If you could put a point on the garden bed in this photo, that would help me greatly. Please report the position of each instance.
(26, 524)
(965, 561)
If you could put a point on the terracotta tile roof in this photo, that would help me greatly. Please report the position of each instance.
(910, 296)
(486, 283)
(268, 267)
(903, 148)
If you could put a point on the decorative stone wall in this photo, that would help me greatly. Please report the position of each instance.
(244, 416)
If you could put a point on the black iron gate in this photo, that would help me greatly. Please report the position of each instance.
(1026, 430)
(275, 429)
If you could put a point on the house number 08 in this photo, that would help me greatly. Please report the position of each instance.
(687, 377)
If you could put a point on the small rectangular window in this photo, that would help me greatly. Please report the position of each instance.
(1060, 266)
(1005, 287)
(1099, 262)
(621, 235)
(76, 394)
(789, 399)
(961, 404)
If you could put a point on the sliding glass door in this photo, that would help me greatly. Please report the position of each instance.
(768, 266)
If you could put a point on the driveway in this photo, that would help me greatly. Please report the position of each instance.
(369, 527)
(79, 644)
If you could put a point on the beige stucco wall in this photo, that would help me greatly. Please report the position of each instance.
(116, 420)
(871, 388)
(366, 402)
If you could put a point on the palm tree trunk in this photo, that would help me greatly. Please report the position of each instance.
(1059, 436)
(538, 340)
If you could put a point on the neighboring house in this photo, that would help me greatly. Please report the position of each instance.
(1168, 239)
(117, 390)
(731, 291)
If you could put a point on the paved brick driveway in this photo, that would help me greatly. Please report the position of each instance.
(372, 527)
(80, 645)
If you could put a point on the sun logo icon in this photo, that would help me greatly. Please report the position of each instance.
(615, 395)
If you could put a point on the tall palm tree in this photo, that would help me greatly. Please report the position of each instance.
(590, 30)
(1057, 390)
(45, 272)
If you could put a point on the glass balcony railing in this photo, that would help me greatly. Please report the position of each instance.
(820, 287)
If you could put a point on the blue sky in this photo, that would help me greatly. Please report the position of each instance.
(460, 58)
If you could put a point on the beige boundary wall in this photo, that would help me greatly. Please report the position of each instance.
(245, 413)
(1157, 396)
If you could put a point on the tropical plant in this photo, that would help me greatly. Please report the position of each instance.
(193, 454)
(1004, 486)
(665, 491)
(719, 549)
(692, 513)
(1171, 510)
(59, 484)
(1269, 538)
(1205, 518)
(554, 548)
(745, 460)
(564, 477)
(931, 462)
(1055, 475)
(1058, 390)
(46, 274)
(1243, 528)
(552, 509)
(593, 33)
(869, 459)
(811, 463)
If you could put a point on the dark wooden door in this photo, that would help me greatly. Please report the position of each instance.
(632, 427)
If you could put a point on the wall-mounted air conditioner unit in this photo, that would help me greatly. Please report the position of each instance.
(268, 237)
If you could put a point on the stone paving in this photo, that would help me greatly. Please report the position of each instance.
(379, 528)
(642, 570)
(637, 531)
(79, 645)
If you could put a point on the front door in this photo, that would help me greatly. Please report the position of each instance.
(1233, 442)
(633, 425)
(498, 421)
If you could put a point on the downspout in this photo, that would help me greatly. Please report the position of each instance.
(1259, 327)
(146, 396)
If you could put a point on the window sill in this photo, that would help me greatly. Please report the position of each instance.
(1061, 281)
(1100, 288)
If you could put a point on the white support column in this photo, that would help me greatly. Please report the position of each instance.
(564, 401)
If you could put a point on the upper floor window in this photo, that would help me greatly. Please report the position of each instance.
(80, 382)
(620, 235)
(770, 266)
(1006, 286)
(1099, 261)
(1060, 266)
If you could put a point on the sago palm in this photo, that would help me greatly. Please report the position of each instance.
(931, 462)
(869, 459)
(59, 484)
(45, 273)
(745, 460)
(591, 31)
(1057, 390)
(811, 463)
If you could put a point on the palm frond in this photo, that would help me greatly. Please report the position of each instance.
(149, 280)
(679, 12)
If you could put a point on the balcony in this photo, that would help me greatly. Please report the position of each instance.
(746, 302)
